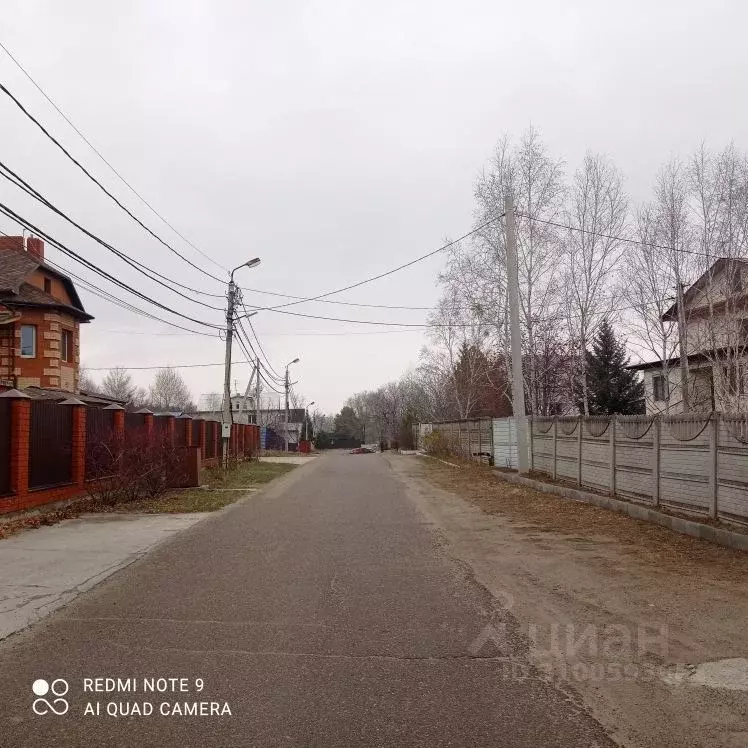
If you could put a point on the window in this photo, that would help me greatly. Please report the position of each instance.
(735, 282)
(66, 346)
(734, 377)
(28, 341)
(661, 387)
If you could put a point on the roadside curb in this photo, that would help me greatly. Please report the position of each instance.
(720, 536)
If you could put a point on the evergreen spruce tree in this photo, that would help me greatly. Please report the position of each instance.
(612, 387)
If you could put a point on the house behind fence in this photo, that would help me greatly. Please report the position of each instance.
(696, 463)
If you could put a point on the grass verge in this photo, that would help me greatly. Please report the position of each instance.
(580, 523)
(218, 490)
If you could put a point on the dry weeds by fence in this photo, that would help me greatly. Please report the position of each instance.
(142, 466)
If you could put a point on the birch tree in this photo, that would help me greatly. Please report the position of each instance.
(599, 207)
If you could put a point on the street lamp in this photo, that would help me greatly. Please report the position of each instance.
(227, 415)
(290, 363)
(306, 420)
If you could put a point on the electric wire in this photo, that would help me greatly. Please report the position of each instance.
(72, 158)
(98, 153)
(394, 270)
(137, 265)
(5, 210)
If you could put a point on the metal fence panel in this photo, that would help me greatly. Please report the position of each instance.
(180, 432)
(99, 441)
(50, 444)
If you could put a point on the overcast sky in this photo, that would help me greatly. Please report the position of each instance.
(334, 140)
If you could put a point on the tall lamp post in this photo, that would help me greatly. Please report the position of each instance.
(306, 420)
(227, 415)
(290, 363)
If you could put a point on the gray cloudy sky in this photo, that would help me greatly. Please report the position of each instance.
(336, 140)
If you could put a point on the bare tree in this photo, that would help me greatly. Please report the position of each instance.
(169, 392)
(599, 207)
(648, 285)
(86, 383)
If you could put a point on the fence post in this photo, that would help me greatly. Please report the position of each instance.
(492, 458)
(20, 425)
(201, 441)
(532, 443)
(713, 464)
(612, 428)
(579, 450)
(147, 422)
(555, 447)
(480, 440)
(78, 451)
(656, 437)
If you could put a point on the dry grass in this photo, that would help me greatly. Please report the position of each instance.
(580, 522)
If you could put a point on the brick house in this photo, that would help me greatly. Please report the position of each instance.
(40, 318)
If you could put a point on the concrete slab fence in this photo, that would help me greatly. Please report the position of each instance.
(696, 463)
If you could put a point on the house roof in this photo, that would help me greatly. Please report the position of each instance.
(16, 266)
(723, 262)
(693, 358)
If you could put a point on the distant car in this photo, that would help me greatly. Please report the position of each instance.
(361, 451)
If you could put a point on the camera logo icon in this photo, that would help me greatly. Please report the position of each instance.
(58, 689)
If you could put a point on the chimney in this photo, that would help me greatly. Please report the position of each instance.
(11, 242)
(35, 247)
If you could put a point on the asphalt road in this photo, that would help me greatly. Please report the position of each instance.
(324, 612)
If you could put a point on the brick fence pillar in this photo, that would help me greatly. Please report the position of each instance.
(78, 441)
(148, 423)
(188, 432)
(20, 427)
(201, 441)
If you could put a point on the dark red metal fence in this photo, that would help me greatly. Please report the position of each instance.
(195, 442)
(161, 425)
(100, 442)
(50, 444)
(180, 432)
(4, 447)
(134, 427)
(211, 428)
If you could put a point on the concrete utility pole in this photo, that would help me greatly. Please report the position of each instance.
(227, 415)
(295, 361)
(518, 380)
(683, 348)
(257, 411)
(230, 319)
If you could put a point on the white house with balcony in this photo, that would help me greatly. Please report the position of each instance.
(716, 333)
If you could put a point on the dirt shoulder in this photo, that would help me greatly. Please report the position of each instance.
(625, 613)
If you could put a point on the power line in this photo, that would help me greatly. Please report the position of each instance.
(5, 210)
(342, 303)
(72, 158)
(98, 153)
(388, 272)
(260, 367)
(108, 297)
(164, 366)
(614, 238)
(145, 270)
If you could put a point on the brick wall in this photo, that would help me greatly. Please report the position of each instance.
(21, 497)
(46, 369)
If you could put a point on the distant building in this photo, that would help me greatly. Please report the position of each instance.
(40, 317)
